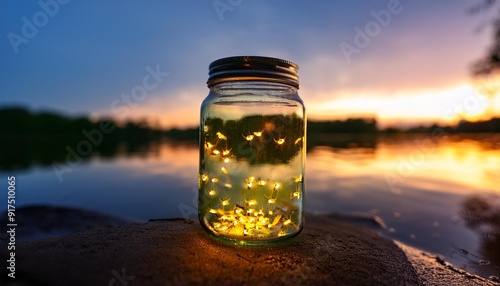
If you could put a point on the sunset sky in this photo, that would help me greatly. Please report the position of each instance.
(411, 65)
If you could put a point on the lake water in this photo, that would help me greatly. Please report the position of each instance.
(441, 195)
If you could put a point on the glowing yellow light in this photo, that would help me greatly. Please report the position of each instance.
(261, 183)
(275, 221)
(258, 133)
(216, 152)
(299, 179)
(226, 160)
(297, 141)
(270, 212)
(212, 211)
(212, 192)
(250, 182)
(209, 145)
(223, 170)
(281, 233)
(280, 141)
(277, 186)
(221, 136)
(227, 218)
(215, 180)
(251, 202)
(206, 128)
(228, 186)
(226, 152)
(287, 222)
(204, 178)
(249, 137)
(271, 201)
(296, 195)
(225, 202)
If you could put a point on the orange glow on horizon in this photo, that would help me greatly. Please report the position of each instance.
(414, 107)
(402, 108)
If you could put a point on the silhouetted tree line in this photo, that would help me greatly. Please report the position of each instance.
(486, 126)
(28, 138)
(46, 126)
(351, 125)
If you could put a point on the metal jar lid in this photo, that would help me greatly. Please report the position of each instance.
(253, 68)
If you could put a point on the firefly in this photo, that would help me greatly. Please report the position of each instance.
(251, 202)
(223, 170)
(280, 141)
(277, 186)
(248, 137)
(258, 133)
(204, 178)
(238, 209)
(221, 136)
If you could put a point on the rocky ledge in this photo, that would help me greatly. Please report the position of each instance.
(331, 250)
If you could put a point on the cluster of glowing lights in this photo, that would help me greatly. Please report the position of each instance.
(249, 220)
(252, 218)
(249, 138)
(258, 215)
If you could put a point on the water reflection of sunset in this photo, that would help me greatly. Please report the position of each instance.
(473, 164)
(170, 159)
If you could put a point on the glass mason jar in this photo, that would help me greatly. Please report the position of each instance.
(252, 150)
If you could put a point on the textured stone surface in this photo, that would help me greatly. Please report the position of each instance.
(331, 250)
(432, 269)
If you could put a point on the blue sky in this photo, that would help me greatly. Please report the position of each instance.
(86, 54)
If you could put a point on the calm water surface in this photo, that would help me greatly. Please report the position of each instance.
(441, 196)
